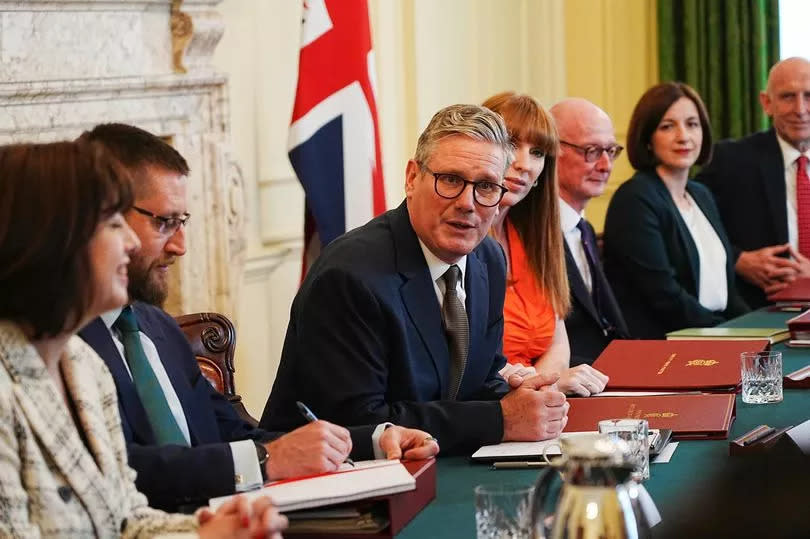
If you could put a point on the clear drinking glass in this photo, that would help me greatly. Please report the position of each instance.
(761, 377)
(503, 511)
(635, 433)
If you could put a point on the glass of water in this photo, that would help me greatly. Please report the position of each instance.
(761, 377)
(635, 433)
(503, 511)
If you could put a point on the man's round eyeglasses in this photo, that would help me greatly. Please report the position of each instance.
(485, 193)
(592, 152)
(164, 225)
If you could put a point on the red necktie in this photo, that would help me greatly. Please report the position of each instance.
(803, 204)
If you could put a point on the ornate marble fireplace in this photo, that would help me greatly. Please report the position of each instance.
(66, 65)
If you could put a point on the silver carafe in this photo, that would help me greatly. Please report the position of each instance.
(597, 498)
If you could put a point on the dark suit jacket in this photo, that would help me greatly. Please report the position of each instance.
(585, 335)
(365, 342)
(747, 179)
(172, 476)
(652, 262)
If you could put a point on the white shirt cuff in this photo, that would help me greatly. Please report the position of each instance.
(375, 440)
(246, 472)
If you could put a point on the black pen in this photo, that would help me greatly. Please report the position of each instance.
(310, 417)
(514, 465)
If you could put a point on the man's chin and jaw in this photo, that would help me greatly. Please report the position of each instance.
(148, 281)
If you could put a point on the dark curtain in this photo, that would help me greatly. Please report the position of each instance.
(723, 49)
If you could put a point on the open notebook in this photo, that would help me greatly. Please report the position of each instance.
(366, 479)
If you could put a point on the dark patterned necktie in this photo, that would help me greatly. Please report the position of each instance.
(592, 255)
(457, 328)
(146, 383)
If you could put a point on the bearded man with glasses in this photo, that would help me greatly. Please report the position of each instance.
(401, 320)
(184, 439)
(588, 150)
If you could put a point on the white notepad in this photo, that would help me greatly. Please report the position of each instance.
(527, 450)
(366, 479)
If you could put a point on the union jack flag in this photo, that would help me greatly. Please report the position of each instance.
(334, 142)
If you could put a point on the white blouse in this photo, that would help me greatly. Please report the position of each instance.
(713, 286)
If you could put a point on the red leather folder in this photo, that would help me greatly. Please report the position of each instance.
(703, 365)
(799, 327)
(798, 290)
(689, 416)
(400, 508)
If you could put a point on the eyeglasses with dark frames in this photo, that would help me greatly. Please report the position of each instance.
(164, 225)
(592, 152)
(485, 193)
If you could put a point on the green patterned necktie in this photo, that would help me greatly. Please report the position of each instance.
(146, 383)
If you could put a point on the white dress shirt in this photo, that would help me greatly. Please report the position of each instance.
(438, 268)
(789, 156)
(247, 474)
(569, 218)
(713, 285)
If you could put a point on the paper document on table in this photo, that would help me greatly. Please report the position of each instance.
(365, 480)
(526, 450)
(666, 454)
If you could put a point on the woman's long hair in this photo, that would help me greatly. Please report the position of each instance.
(536, 218)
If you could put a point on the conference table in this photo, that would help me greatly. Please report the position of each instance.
(688, 474)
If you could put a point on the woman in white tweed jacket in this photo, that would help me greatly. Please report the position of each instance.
(64, 249)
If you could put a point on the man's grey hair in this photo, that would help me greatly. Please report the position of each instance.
(472, 121)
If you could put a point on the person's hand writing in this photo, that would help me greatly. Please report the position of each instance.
(238, 518)
(535, 410)
(515, 373)
(415, 444)
(766, 269)
(582, 380)
(317, 447)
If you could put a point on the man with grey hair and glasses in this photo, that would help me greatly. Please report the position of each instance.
(401, 320)
(588, 150)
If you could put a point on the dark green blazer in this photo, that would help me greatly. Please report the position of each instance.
(652, 262)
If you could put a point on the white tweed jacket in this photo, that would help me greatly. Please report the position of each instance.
(50, 484)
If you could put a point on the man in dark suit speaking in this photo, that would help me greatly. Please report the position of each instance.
(761, 187)
(184, 439)
(401, 320)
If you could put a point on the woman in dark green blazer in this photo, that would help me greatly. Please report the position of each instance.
(666, 252)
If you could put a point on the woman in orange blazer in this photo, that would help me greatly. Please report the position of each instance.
(528, 229)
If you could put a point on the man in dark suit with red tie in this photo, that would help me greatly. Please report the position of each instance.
(588, 149)
(761, 187)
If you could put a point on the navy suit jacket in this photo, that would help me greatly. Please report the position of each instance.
(747, 179)
(365, 342)
(173, 476)
(585, 335)
(652, 262)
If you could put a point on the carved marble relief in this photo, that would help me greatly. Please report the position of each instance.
(66, 65)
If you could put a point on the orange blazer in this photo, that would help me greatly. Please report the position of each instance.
(529, 319)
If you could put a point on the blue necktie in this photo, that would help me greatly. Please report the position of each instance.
(146, 383)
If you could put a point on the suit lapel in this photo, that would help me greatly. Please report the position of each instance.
(418, 294)
(684, 236)
(476, 287)
(770, 160)
(578, 288)
(98, 337)
(172, 365)
(50, 420)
